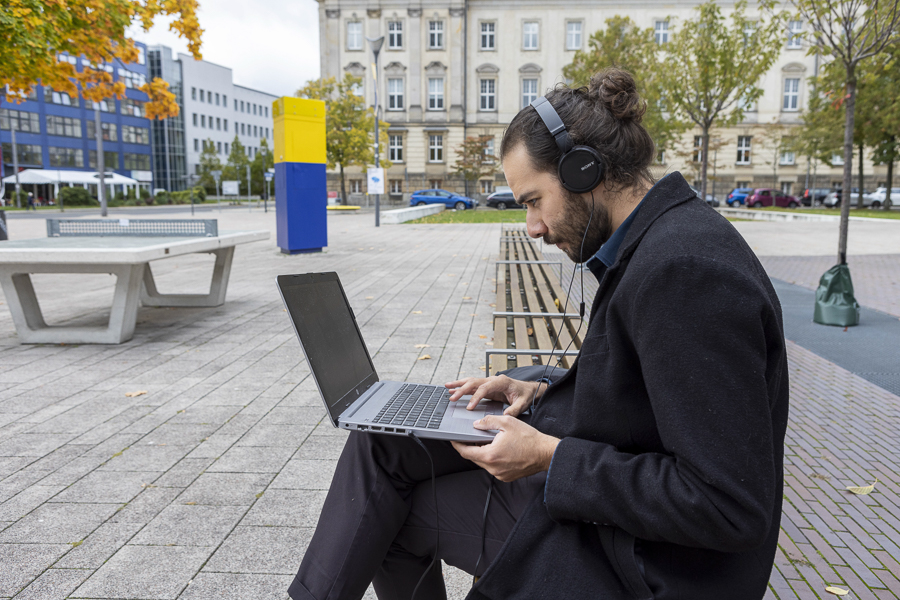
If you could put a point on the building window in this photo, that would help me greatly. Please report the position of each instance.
(661, 32)
(698, 149)
(661, 157)
(395, 35)
(136, 162)
(255, 131)
(396, 187)
(242, 106)
(20, 120)
(254, 108)
(202, 96)
(743, 150)
(435, 35)
(217, 99)
(66, 157)
(110, 131)
(395, 94)
(196, 145)
(488, 94)
(110, 159)
(28, 154)
(529, 91)
(61, 98)
(746, 105)
(487, 186)
(573, 35)
(267, 112)
(219, 147)
(195, 119)
(489, 151)
(218, 123)
(235, 104)
(193, 93)
(786, 187)
(787, 158)
(104, 106)
(63, 126)
(530, 31)
(436, 148)
(135, 135)
(243, 129)
(224, 100)
(203, 121)
(795, 30)
(791, 95)
(354, 35)
(267, 132)
(132, 108)
(488, 40)
(434, 184)
(225, 124)
(395, 148)
(837, 160)
(356, 186)
(435, 93)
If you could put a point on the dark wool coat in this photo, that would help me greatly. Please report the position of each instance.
(667, 483)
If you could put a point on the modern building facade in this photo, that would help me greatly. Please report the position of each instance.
(169, 149)
(57, 131)
(463, 68)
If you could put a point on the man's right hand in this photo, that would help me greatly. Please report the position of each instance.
(518, 394)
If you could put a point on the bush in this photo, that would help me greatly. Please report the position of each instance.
(199, 194)
(145, 193)
(76, 196)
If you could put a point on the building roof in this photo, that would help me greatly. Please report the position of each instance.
(44, 176)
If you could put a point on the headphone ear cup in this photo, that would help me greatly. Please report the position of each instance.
(580, 169)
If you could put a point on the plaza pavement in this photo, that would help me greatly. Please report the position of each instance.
(209, 485)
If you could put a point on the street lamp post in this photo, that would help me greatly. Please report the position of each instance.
(190, 183)
(101, 186)
(217, 175)
(376, 44)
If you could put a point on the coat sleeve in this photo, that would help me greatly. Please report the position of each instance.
(705, 335)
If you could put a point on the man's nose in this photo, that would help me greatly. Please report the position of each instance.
(535, 225)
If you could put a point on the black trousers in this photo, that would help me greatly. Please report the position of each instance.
(378, 522)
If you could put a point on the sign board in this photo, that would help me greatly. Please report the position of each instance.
(269, 176)
(231, 188)
(376, 180)
(332, 194)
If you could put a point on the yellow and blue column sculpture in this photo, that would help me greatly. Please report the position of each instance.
(301, 196)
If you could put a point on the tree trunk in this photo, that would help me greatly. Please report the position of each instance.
(890, 175)
(704, 163)
(849, 109)
(859, 195)
(343, 186)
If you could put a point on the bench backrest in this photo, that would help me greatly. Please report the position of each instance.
(132, 227)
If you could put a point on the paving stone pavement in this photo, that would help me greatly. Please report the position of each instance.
(209, 485)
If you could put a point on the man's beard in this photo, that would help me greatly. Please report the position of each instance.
(570, 229)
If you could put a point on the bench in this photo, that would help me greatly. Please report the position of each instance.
(121, 247)
(528, 316)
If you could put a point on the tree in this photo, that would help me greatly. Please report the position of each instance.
(849, 32)
(263, 160)
(34, 32)
(882, 110)
(691, 153)
(209, 162)
(474, 161)
(775, 136)
(623, 44)
(712, 67)
(349, 124)
(236, 166)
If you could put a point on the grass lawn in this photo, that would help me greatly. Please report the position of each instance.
(854, 212)
(475, 216)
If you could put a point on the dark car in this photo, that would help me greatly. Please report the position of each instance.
(435, 196)
(710, 199)
(502, 201)
(814, 196)
(737, 196)
(770, 197)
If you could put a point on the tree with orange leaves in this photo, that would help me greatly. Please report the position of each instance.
(34, 32)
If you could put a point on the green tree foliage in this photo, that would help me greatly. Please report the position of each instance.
(473, 159)
(209, 162)
(236, 166)
(849, 32)
(349, 124)
(263, 160)
(623, 44)
(713, 65)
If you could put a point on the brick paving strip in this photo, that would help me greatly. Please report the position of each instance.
(209, 485)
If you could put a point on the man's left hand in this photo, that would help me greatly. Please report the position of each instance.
(518, 450)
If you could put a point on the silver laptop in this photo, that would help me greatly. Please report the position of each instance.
(346, 377)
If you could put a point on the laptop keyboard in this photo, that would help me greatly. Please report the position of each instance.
(415, 406)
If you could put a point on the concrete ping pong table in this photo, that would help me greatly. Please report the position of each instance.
(123, 248)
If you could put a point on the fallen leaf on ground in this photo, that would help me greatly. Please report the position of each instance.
(492, 304)
(483, 336)
(489, 343)
(369, 297)
(417, 312)
(530, 331)
(134, 394)
(837, 591)
(190, 503)
(481, 368)
(451, 274)
(467, 297)
(556, 302)
(473, 314)
(862, 490)
(425, 357)
(423, 346)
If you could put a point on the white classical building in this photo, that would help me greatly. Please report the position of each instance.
(454, 69)
(216, 110)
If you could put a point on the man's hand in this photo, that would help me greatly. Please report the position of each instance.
(518, 394)
(518, 450)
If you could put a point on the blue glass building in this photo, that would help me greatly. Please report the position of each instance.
(55, 131)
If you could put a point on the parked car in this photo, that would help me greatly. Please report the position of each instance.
(814, 196)
(770, 197)
(737, 196)
(710, 199)
(435, 196)
(879, 195)
(502, 201)
(833, 199)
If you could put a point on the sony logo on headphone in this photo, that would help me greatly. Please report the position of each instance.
(587, 166)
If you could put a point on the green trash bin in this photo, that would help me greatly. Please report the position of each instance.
(835, 303)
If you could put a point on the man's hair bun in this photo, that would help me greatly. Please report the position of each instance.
(616, 90)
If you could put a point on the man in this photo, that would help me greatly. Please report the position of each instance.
(653, 467)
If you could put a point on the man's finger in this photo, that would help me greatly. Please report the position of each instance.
(493, 422)
(471, 452)
(489, 386)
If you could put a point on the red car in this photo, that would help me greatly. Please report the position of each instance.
(769, 197)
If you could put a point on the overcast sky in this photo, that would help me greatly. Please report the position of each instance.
(271, 46)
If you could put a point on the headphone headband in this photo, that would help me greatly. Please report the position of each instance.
(551, 119)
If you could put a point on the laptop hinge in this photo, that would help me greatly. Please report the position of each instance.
(350, 410)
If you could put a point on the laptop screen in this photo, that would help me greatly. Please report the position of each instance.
(330, 337)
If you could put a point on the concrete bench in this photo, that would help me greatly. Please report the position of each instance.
(123, 248)
(402, 215)
(528, 316)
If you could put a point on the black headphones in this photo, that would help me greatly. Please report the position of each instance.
(580, 167)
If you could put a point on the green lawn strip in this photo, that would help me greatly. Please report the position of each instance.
(836, 212)
(474, 216)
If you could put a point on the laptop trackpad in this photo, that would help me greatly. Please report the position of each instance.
(457, 410)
